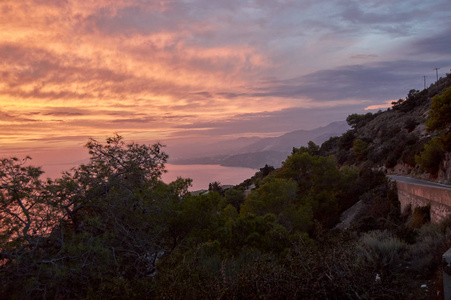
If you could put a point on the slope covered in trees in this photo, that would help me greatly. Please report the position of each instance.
(411, 138)
(112, 229)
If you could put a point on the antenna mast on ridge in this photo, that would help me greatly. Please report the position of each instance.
(436, 72)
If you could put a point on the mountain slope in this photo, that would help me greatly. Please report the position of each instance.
(393, 140)
(298, 138)
(271, 151)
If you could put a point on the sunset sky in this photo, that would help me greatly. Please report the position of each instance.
(176, 70)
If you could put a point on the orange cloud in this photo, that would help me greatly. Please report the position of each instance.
(380, 106)
(151, 69)
(53, 60)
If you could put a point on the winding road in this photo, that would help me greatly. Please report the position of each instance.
(419, 182)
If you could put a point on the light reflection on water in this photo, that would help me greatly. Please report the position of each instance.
(202, 175)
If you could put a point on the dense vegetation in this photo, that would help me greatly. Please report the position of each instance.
(394, 140)
(112, 229)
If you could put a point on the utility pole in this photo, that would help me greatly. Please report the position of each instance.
(436, 72)
(424, 77)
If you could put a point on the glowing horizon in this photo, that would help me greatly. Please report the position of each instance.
(168, 71)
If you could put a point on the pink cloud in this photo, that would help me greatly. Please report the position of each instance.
(380, 106)
(153, 69)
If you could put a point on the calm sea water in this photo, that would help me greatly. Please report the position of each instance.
(202, 175)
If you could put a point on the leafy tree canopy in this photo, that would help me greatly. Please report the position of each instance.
(440, 112)
(101, 221)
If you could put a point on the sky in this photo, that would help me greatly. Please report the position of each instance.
(204, 70)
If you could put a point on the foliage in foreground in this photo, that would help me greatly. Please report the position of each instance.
(86, 231)
(112, 229)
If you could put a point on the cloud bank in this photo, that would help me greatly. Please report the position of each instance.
(158, 70)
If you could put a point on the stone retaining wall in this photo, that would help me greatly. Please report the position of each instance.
(419, 195)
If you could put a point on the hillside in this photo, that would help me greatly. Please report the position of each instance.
(261, 151)
(390, 140)
(298, 138)
(112, 227)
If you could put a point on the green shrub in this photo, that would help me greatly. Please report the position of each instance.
(381, 251)
(360, 149)
(235, 197)
(426, 253)
(440, 112)
(430, 158)
(346, 140)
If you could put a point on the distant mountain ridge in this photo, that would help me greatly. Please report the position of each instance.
(298, 138)
(271, 151)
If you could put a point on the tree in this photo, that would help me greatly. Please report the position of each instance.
(216, 187)
(100, 227)
(24, 214)
(27, 217)
(312, 149)
(431, 157)
(271, 197)
(360, 149)
(133, 162)
(346, 140)
(397, 104)
(266, 170)
(439, 120)
(440, 112)
(440, 117)
(311, 172)
(235, 197)
(356, 120)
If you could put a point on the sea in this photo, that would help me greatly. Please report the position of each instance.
(202, 175)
